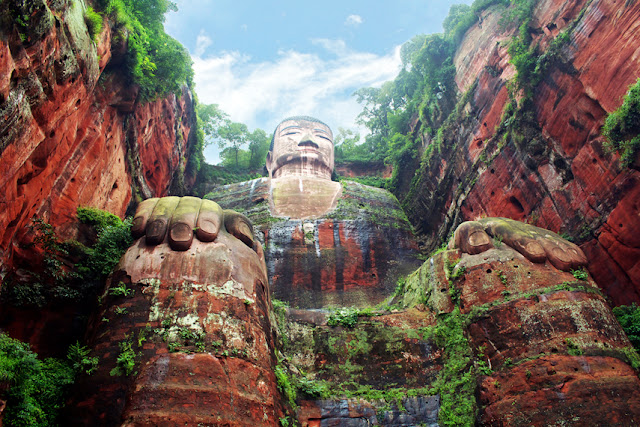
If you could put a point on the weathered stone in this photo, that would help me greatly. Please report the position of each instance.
(560, 176)
(67, 139)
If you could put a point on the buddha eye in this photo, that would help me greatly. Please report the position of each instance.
(291, 133)
(323, 137)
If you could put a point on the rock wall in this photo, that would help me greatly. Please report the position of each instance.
(72, 132)
(557, 174)
(548, 342)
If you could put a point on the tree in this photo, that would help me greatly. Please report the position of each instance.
(345, 143)
(232, 136)
(259, 143)
(212, 118)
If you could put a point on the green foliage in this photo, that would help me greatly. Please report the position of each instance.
(78, 356)
(155, 61)
(502, 277)
(113, 241)
(37, 388)
(400, 285)
(98, 218)
(126, 360)
(285, 385)
(580, 274)
(347, 317)
(424, 88)
(49, 281)
(519, 11)
(573, 348)
(372, 181)
(94, 22)
(524, 58)
(529, 63)
(622, 127)
(314, 389)
(456, 381)
(120, 290)
(218, 176)
(237, 163)
(629, 318)
(120, 310)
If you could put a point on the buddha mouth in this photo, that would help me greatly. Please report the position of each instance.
(308, 145)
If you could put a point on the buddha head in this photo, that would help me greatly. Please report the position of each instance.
(300, 146)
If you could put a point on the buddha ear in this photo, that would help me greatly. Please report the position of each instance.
(269, 161)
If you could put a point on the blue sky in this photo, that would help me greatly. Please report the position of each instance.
(262, 61)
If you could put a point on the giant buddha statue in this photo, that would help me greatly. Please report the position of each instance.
(327, 243)
(189, 338)
(300, 163)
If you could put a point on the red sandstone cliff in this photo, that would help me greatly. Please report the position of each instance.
(558, 175)
(72, 133)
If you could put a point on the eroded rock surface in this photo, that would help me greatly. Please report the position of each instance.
(72, 132)
(551, 340)
(554, 170)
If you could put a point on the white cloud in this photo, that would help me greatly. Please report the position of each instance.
(203, 41)
(354, 20)
(261, 94)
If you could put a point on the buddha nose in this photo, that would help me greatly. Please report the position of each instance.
(307, 136)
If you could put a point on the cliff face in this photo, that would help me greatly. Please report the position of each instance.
(72, 133)
(554, 170)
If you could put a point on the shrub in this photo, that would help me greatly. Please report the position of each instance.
(37, 388)
(629, 318)
(155, 61)
(456, 381)
(580, 274)
(78, 355)
(347, 317)
(113, 242)
(97, 217)
(285, 386)
(120, 290)
(94, 22)
(622, 127)
(48, 280)
(126, 360)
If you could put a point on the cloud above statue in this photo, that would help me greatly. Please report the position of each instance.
(294, 83)
(354, 20)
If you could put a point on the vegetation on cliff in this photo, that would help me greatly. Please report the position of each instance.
(242, 154)
(70, 271)
(629, 318)
(35, 390)
(405, 116)
(155, 61)
(622, 127)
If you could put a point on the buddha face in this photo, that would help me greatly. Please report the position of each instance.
(301, 147)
